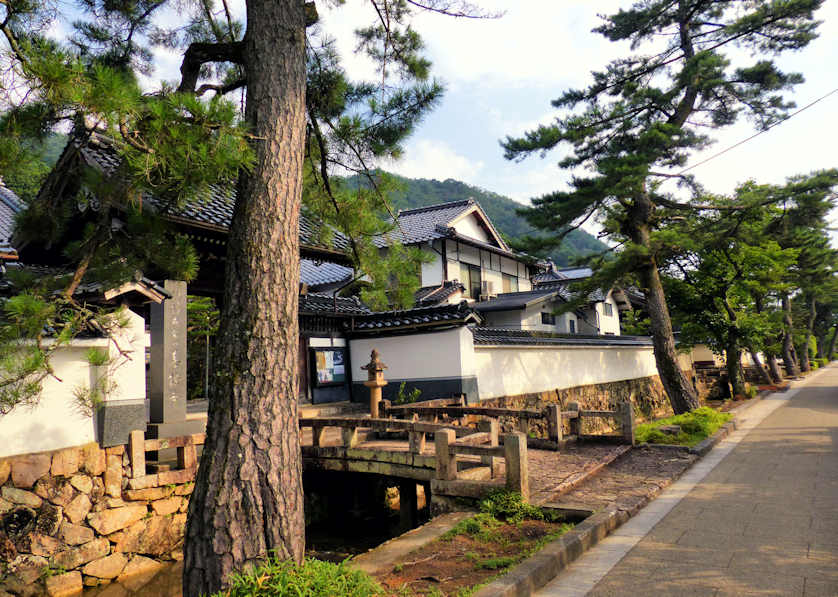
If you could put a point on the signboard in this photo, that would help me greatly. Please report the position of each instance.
(328, 366)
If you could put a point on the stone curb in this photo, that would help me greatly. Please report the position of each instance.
(722, 432)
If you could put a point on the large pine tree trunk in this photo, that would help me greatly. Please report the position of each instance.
(248, 498)
(682, 395)
(733, 362)
(788, 343)
(774, 367)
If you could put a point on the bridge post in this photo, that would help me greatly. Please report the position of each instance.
(553, 414)
(517, 467)
(416, 439)
(350, 436)
(408, 505)
(575, 423)
(626, 415)
(491, 427)
(317, 435)
(446, 460)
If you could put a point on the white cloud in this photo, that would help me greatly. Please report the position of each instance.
(435, 159)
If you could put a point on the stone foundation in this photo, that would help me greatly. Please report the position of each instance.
(69, 519)
(645, 393)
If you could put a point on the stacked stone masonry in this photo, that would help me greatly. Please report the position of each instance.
(70, 519)
(645, 393)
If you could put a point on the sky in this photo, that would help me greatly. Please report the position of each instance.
(501, 75)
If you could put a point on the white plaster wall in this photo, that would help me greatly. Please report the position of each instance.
(326, 342)
(512, 370)
(701, 352)
(432, 271)
(468, 226)
(55, 421)
(608, 324)
(414, 356)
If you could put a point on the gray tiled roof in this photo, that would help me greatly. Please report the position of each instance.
(10, 205)
(420, 317)
(314, 303)
(516, 300)
(319, 273)
(496, 336)
(564, 290)
(424, 223)
(433, 295)
(215, 209)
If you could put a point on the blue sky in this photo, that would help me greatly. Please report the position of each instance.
(501, 75)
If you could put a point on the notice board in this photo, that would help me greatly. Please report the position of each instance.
(328, 366)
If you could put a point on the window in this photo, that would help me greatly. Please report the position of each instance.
(548, 318)
(510, 283)
(607, 310)
(572, 326)
(470, 277)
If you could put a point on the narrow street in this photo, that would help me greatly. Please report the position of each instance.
(757, 516)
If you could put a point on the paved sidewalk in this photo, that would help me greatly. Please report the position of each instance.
(758, 516)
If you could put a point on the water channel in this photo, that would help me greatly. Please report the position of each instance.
(346, 514)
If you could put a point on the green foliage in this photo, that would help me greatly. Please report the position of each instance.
(509, 506)
(202, 321)
(497, 563)
(97, 357)
(695, 426)
(314, 578)
(407, 397)
(481, 527)
(411, 193)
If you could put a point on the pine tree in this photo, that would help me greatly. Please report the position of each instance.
(175, 143)
(645, 114)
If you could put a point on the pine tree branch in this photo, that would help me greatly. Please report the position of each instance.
(199, 53)
(221, 89)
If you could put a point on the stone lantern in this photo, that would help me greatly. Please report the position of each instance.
(375, 381)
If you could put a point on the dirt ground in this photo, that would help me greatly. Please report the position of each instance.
(448, 567)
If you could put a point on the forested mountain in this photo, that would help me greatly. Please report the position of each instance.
(420, 192)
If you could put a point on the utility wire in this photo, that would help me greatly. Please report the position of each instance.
(765, 130)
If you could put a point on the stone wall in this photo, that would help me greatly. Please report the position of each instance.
(70, 518)
(646, 393)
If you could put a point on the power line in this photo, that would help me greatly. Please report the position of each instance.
(765, 130)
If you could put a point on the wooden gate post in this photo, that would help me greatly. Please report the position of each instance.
(576, 422)
(517, 467)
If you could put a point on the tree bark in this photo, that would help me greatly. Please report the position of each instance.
(733, 362)
(763, 372)
(774, 368)
(682, 395)
(788, 343)
(831, 351)
(810, 324)
(248, 498)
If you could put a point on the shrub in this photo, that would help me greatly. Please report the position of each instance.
(695, 426)
(314, 578)
(509, 506)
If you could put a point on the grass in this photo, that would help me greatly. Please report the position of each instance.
(695, 426)
(314, 578)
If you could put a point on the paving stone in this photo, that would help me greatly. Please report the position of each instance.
(41, 545)
(152, 493)
(5, 470)
(93, 459)
(138, 571)
(167, 506)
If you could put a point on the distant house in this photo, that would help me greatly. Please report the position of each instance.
(10, 205)
(470, 261)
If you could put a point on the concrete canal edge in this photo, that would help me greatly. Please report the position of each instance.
(389, 553)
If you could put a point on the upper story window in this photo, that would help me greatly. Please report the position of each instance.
(548, 318)
(510, 283)
(607, 310)
(470, 277)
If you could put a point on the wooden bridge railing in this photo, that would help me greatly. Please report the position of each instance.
(551, 414)
(187, 459)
